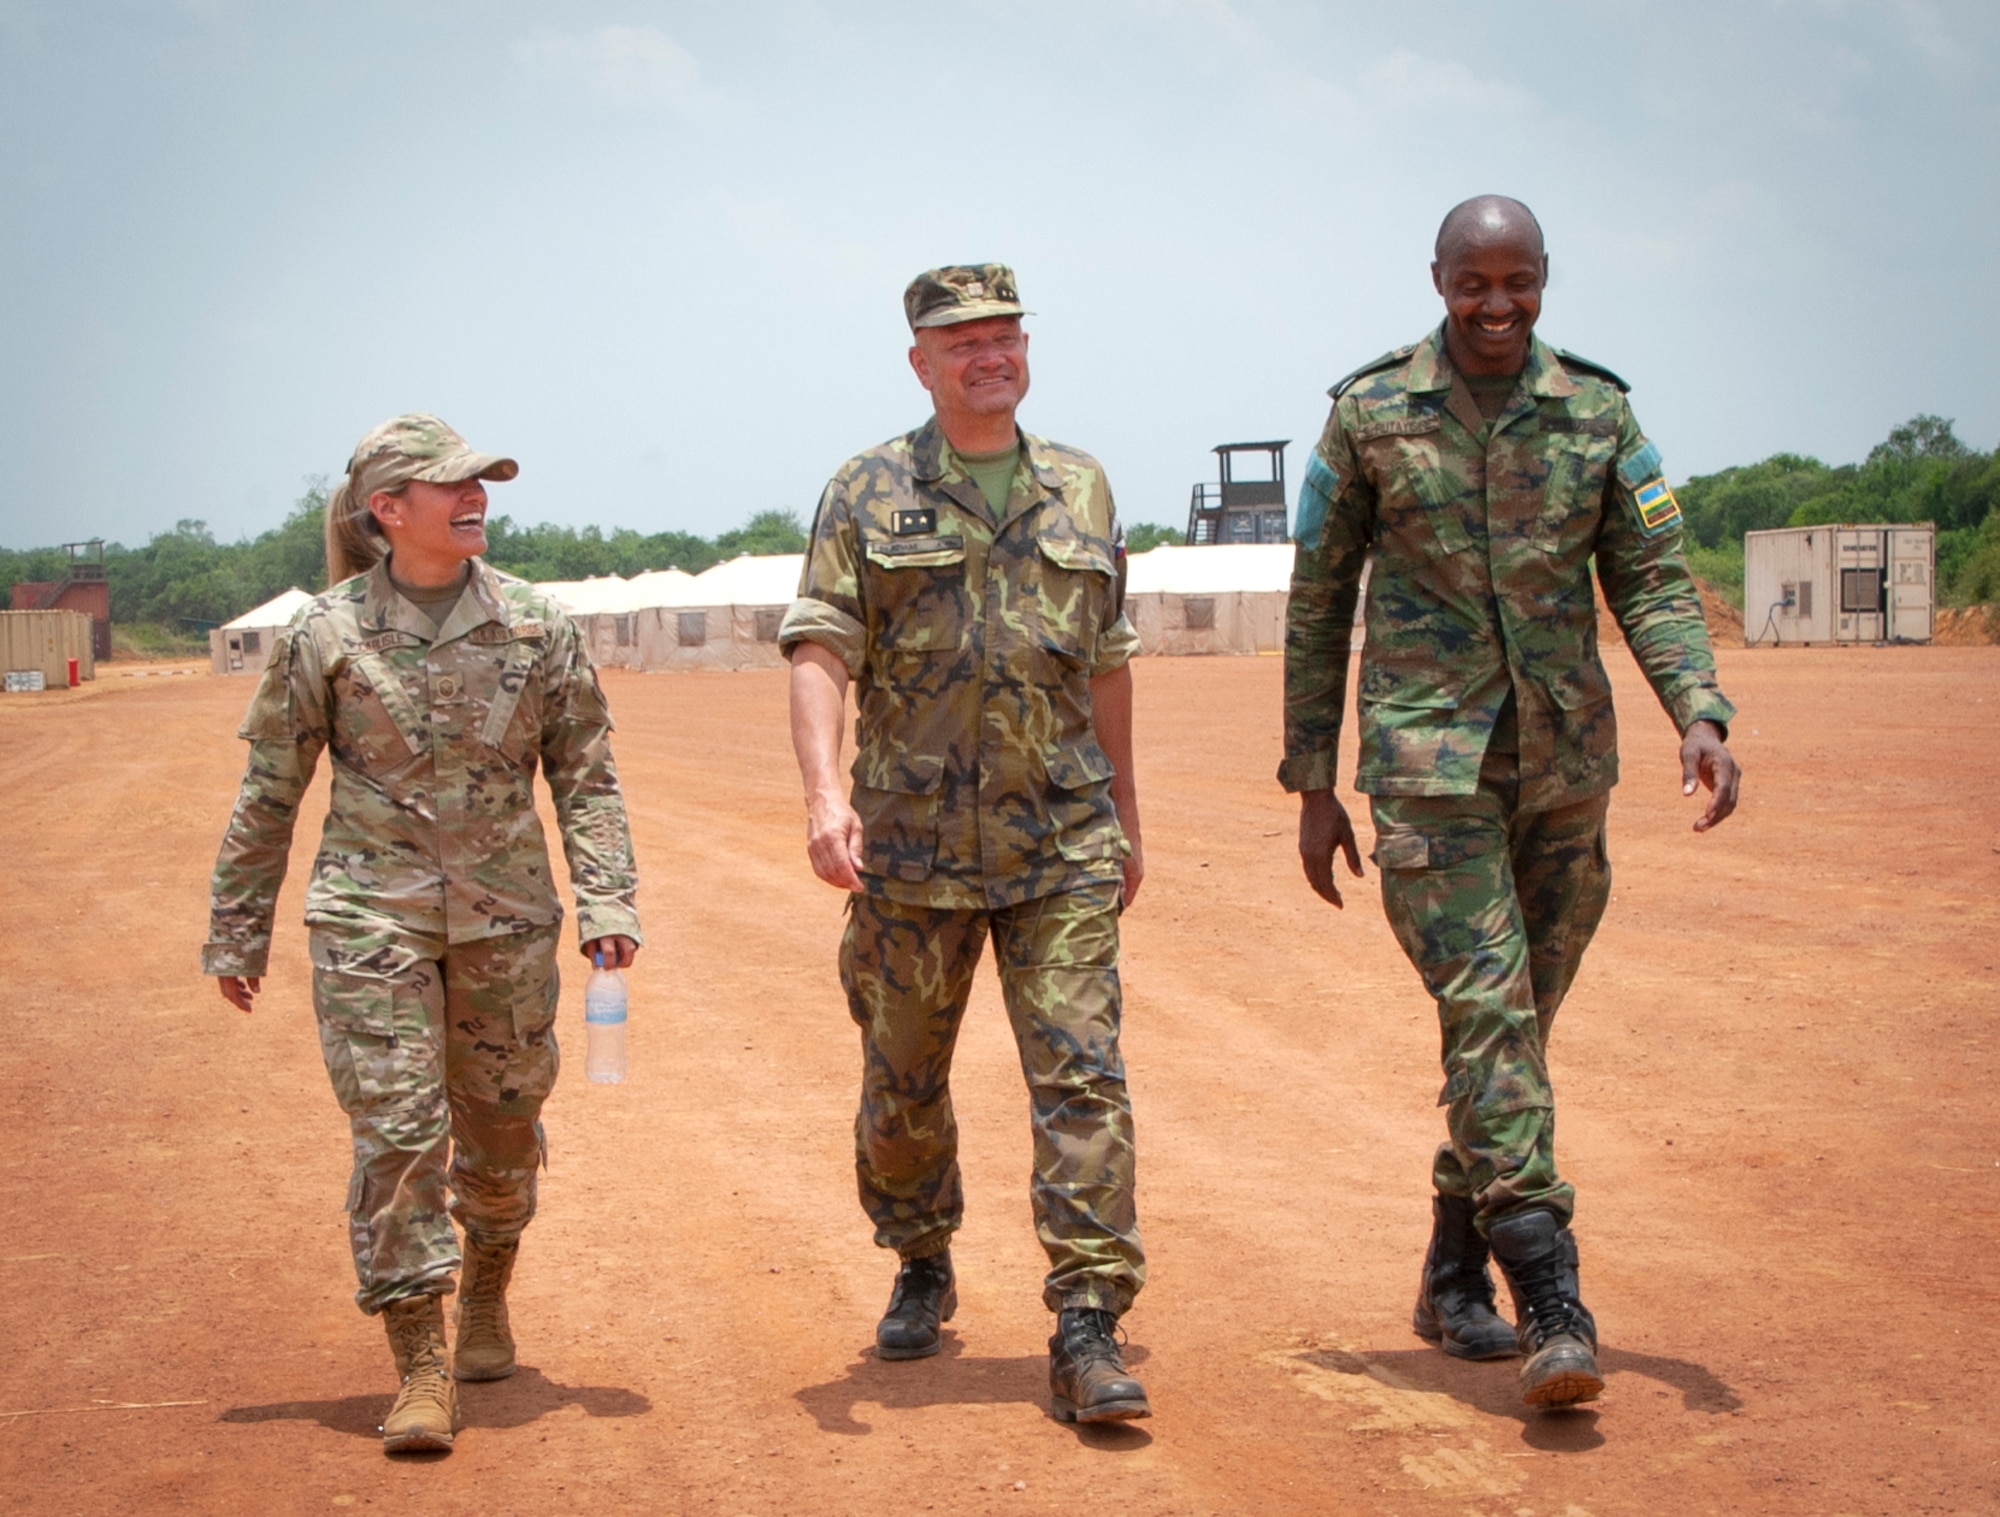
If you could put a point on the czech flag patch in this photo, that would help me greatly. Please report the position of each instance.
(1658, 510)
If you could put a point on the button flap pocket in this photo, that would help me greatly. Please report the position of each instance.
(1402, 850)
(1576, 688)
(355, 1004)
(899, 773)
(1079, 553)
(1077, 766)
(1418, 689)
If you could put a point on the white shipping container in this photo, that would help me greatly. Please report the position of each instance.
(1838, 584)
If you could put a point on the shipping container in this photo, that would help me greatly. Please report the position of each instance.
(1838, 584)
(44, 642)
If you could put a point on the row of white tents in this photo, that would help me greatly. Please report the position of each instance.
(1225, 599)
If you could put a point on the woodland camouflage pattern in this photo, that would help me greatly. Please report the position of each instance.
(1494, 867)
(432, 831)
(907, 971)
(972, 643)
(438, 1054)
(1481, 582)
(1495, 906)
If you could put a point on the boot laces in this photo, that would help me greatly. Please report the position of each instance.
(917, 1278)
(1093, 1336)
(1542, 1296)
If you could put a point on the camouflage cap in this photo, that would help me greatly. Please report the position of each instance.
(421, 447)
(961, 292)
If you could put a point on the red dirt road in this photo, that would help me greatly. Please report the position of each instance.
(1777, 1076)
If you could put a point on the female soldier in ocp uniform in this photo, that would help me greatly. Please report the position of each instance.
(439, 684)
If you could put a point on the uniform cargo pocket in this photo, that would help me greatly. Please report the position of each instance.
(897, 795)
(1081, 813)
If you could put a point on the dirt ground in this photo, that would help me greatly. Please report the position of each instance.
(1777, 1078)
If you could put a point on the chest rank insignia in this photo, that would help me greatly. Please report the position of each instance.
(1658, 510)
(917, 523)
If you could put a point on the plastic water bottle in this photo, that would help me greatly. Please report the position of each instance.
(604, 1061)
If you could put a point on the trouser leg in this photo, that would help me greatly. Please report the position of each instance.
(1562, 878)
(379, 1003)
(500, 1065)
(1058, 961)
(1449, 891)
(907, 971)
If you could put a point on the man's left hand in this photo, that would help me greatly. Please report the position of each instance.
(1706, 759)
(616, 952)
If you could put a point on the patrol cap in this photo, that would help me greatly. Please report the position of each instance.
(961, 292)
(419, 447)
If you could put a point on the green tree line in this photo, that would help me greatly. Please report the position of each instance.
(1920, 472)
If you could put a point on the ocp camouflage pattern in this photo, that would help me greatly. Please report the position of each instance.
(441, 1056)
(1494, 906)
(908, 971)
(1482, 538)
(972, 643)
(432, 829)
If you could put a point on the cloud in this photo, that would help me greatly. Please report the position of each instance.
(634, 68)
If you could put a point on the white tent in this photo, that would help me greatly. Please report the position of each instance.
(723, 618)
(244, 645)
(1226, 598)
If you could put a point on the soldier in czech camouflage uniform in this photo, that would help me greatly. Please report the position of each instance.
(438, 684)
(967, 578)
(1484, 471)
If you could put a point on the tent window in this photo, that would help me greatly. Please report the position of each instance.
(769, 619)
(621, 627)
(1198, 613)
(253, 642)
(693, 629)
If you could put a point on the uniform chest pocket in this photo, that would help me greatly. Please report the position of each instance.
(1074, 593)
(1572, 499)
(916, 593)
(1415, 493)
(513, 710)
(378, 724)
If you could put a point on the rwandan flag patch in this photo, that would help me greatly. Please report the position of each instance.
(1658, 510)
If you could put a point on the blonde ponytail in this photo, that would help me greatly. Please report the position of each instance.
(354, 541)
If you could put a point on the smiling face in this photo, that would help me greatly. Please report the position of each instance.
(432, 529)
(1491, 278)
(976, 371)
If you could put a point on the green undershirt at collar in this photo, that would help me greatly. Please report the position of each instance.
(434, 602)
(993, 473)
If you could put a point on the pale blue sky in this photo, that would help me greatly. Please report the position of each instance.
(656, 251)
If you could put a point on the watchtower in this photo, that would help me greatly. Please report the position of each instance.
(86, 588)
(1246, 504)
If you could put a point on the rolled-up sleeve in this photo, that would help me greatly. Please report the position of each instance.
(828, 610)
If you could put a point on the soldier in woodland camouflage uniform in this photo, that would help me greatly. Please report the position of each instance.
(439, 685)
(966, 577)
(1484, 471)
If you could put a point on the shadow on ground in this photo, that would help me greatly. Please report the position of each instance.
(522, 1398)
(1493, 1388)
(952, 1378)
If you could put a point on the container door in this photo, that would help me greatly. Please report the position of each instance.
(1859, 560)
(1910, 574)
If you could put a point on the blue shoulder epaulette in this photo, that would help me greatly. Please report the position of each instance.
(1387, 360)
(1591, 368)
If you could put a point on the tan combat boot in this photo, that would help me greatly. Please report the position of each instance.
(485, 1343)
(425, 1415)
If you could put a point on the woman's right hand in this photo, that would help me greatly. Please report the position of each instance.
(237, 990)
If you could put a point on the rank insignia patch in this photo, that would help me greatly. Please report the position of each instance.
(915, 523)
(1658, 510)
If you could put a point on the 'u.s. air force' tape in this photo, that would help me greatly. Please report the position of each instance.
(1316, 494)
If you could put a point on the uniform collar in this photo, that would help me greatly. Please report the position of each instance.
(383, 610)
(1432, 370)
(934, 462)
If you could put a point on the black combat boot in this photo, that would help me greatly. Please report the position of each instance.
(1455, 1297)
(1087, 1379)
(926, 1294)
(1538, 1256)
